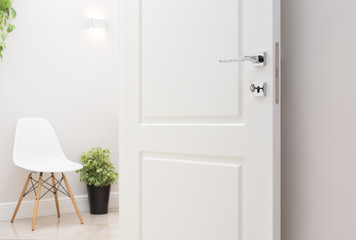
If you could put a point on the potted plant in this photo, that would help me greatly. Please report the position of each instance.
(98, 173)
(6, 13)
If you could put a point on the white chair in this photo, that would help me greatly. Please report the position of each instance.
(37, 149)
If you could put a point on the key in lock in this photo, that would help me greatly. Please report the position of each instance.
(258, 89)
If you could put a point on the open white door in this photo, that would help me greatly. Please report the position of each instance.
(199, 151)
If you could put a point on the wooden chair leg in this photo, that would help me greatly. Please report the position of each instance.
(73, 200)
(55, 194)
(38, 195)
(21, 197)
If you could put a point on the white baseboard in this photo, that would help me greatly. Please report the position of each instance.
(47, 207)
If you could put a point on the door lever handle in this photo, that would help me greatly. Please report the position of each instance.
(258, 59)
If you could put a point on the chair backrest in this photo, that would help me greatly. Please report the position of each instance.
(35, 142)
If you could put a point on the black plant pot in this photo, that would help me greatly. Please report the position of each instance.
(98, 199)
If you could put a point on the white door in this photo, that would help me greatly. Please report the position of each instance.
(199, 151)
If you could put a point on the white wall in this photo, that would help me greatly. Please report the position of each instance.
(56, 68)
(318, 120)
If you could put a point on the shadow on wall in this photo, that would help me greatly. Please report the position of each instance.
(318, 120)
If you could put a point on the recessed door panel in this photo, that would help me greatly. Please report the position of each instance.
(179, 187)
(181, 44)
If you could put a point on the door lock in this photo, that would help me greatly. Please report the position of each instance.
(258, 89)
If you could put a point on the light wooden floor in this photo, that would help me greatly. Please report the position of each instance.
(98, 227)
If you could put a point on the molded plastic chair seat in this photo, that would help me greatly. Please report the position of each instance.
(37, 148)
(54, 165)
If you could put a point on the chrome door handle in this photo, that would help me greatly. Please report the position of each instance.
(258, 59)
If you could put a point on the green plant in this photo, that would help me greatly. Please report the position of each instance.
(7, 12)
(98, 169)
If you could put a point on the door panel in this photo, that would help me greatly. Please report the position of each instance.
(199, 153)
(178, 42)
(181, 185)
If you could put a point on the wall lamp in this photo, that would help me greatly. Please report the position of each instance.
(97, 24)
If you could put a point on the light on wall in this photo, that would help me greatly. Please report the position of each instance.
(97, 24)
